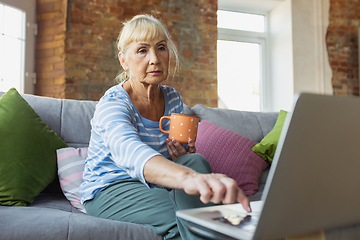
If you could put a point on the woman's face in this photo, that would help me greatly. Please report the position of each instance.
(146, 61)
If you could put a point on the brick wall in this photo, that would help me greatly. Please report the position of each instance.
(342, 45)
(76, 56)
(50, 48)
(75, 53)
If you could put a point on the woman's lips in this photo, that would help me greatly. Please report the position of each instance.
(155, 73)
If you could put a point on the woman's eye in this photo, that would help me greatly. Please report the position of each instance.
(142, 50)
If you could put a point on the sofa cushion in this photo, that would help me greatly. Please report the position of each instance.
(54, 201)
(230, 153)
(267, 146)
(49, 110)
(27, 149)
(34, 223)
(253, 125)
(71, 163)
(187, 110)
(61, 115)
(71, 120)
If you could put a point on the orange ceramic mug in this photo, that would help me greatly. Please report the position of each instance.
(182, 127)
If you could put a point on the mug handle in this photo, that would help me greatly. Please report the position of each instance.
(160, 124)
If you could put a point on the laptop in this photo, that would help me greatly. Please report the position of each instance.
(313, 182)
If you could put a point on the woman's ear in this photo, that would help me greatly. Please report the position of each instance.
(123, 61)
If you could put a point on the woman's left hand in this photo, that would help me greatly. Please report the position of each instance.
(176, 150)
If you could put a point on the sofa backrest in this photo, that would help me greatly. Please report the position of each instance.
(253, 125)
(75, 121)
(70, 119)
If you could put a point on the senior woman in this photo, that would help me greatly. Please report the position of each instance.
(133, 172)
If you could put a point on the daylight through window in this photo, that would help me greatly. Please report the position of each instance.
(240, 57)
(12, 46)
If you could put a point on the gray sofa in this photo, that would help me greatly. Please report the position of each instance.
(51, 216)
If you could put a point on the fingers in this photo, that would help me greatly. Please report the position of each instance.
(245, 202)
(234, 193)
(210, 189)
(206, 186)
(232, 190)
(175, 149)
(191, 145)
(218, 188)
(170, 150)
(204, 190)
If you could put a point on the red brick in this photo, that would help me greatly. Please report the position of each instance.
(187, 53)
(45, 7)
(92, 30)
(45, 53)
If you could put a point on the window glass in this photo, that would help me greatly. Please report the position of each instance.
(241, 21)
(239, 75)
(12, 62)
(12, 40)
(13, 22)
(1, 19)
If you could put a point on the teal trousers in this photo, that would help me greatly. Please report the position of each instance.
(132, 201)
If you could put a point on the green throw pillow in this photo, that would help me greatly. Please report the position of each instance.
(27, 151)
(267, 146)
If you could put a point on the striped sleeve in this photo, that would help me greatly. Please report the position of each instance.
(175, 102)
(114, 121)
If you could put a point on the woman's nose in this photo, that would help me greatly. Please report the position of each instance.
(154, 59)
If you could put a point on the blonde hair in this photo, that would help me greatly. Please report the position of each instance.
(144, 28)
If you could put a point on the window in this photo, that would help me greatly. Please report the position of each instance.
(17, 45)
(241, 51)
(12, 39)
(240, 21)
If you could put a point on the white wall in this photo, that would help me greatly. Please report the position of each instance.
(281, 71)
(299, 61)
(311, 64)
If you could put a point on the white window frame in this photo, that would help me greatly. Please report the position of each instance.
(29, 7)
(258, 38)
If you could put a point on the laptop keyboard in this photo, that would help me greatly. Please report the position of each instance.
(247, 223)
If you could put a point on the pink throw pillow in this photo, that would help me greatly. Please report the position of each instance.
(231, 154)
(71, 164)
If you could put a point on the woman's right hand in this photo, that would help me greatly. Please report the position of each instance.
(215, 188)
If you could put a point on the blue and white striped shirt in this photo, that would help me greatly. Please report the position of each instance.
(122, 141)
